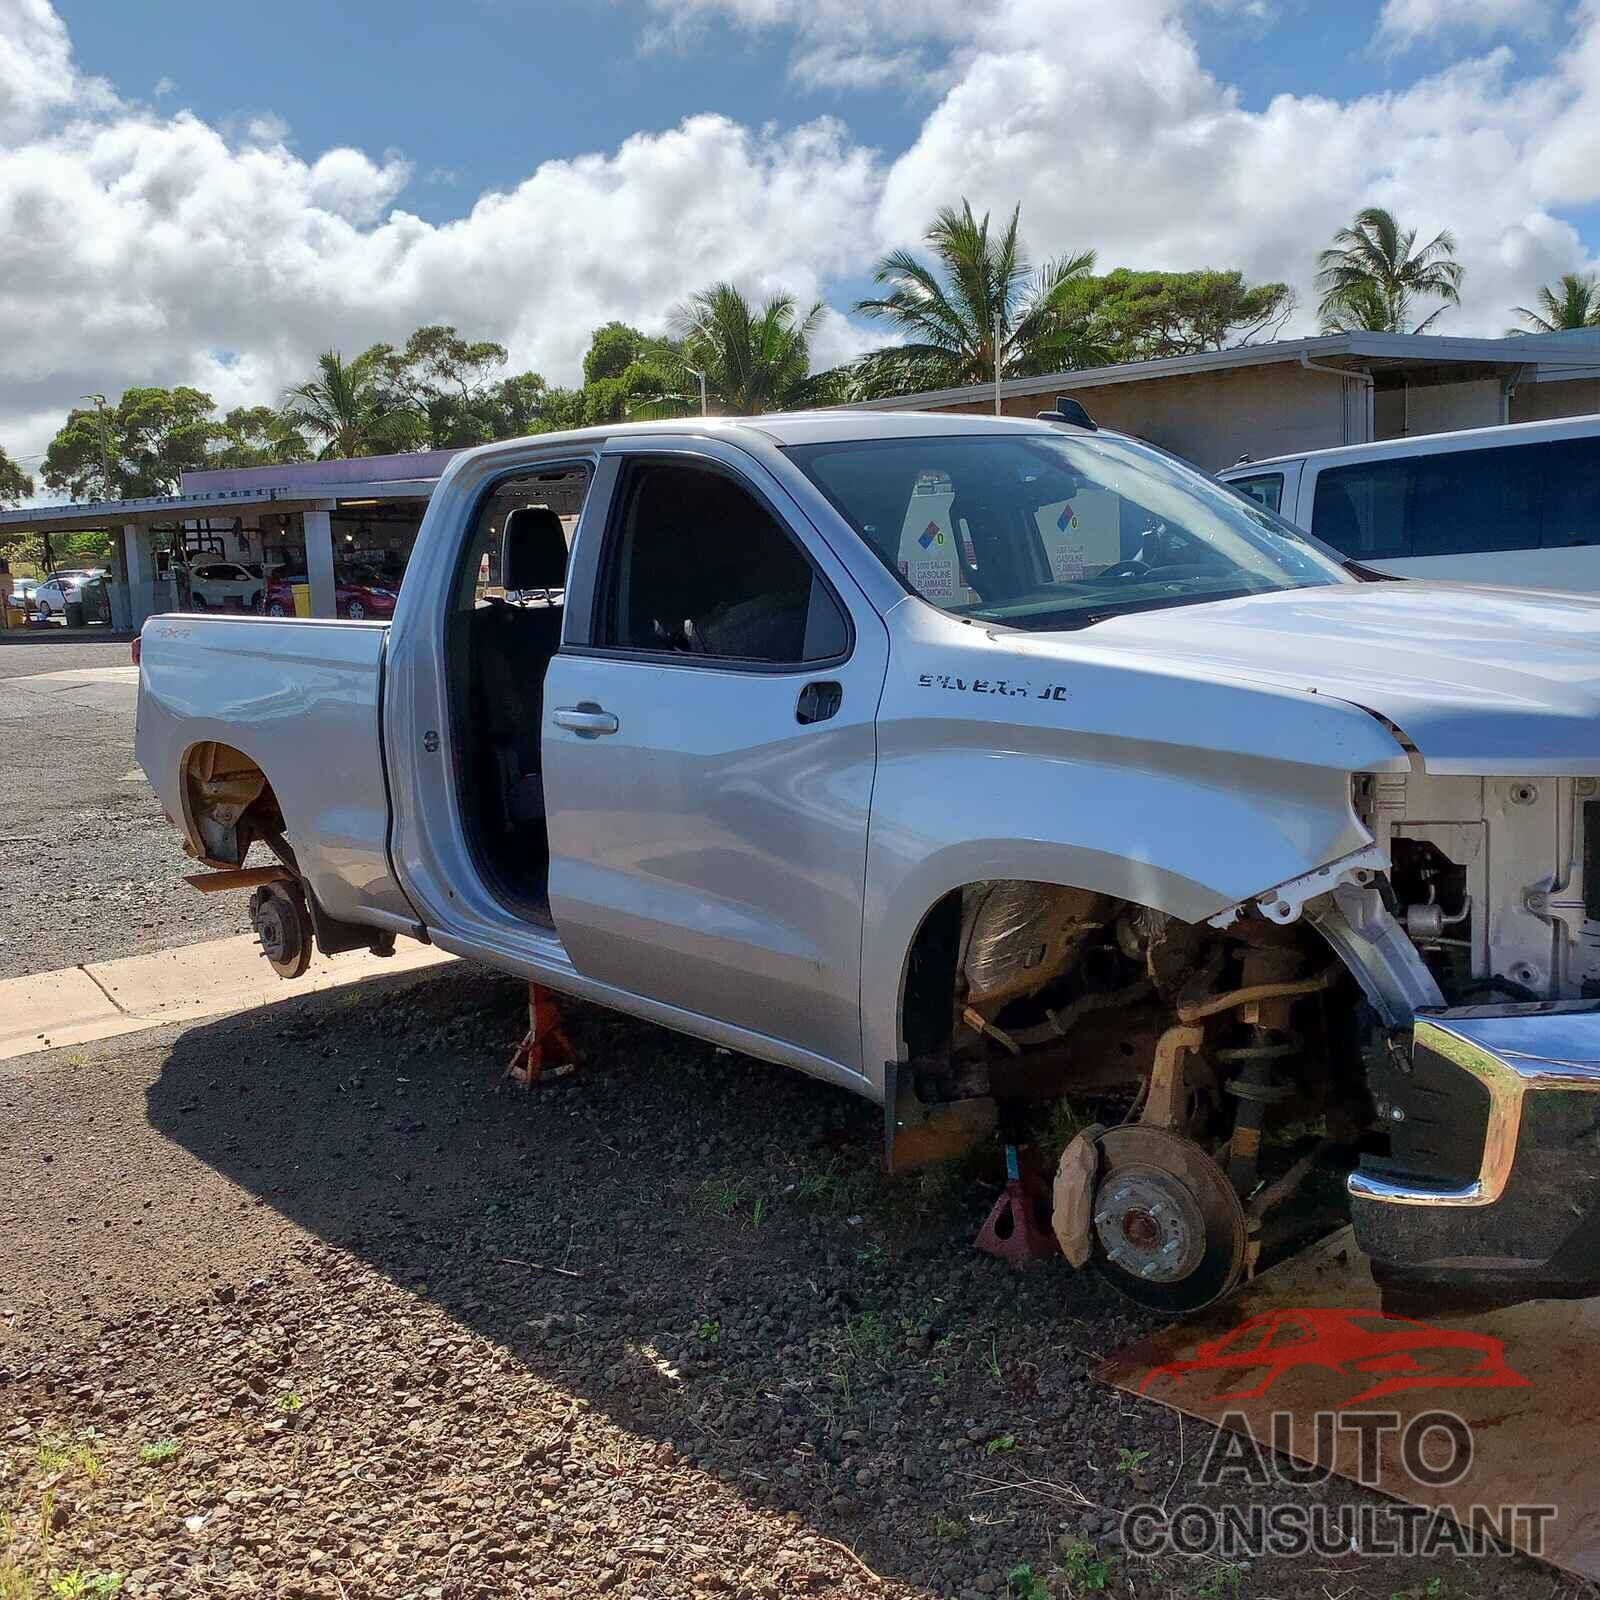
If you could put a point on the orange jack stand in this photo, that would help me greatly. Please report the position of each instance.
(545, 1050)
(1018, 1228)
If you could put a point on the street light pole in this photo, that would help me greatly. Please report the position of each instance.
(105, 453)
(694, 372)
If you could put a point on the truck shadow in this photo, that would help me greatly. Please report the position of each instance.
(745, 1286)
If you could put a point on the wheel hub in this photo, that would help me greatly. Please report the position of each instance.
(1169, 1228)
(1150, 1225)
(283, 928)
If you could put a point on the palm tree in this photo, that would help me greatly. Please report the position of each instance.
(1572, 302)
(946, 313)
(350, 407)
(1372, 275)
(752, 359)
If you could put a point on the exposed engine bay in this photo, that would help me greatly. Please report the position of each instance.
(1224, 1066)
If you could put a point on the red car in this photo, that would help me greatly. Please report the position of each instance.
(360, 593)
(1399, 1353)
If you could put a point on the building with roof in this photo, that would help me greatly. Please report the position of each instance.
(1219, 406)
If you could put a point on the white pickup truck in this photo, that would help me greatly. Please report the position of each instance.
(960, 762)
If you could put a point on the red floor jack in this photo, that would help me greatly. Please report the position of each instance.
(1018, 1229)
(545, 1051)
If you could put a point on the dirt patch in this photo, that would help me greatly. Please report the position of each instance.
(311, 1302)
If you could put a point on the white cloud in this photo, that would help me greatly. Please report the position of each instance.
(162, 88)
(849, 44)
(1404, 22)
(146, 246)
(1104, 123)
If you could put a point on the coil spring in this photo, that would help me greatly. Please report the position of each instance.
(1287, 1043)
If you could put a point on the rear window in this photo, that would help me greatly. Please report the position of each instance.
(1462, 502)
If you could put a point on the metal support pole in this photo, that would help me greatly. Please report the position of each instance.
(319, 563)
(997, 363)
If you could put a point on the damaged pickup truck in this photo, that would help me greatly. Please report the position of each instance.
(967, 763)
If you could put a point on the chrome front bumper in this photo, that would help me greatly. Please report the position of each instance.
(1512, 1051)
(1492, 1181)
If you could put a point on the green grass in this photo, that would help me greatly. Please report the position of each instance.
(1222, 1582)
(81, 1585)
(1023, 1583)
(158, 1453)
(1001, 1445)
(1086, 1569)
(866, 1340)
(60, 1455)
(1131, 1462)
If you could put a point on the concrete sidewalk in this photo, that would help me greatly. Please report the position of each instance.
(102, 999)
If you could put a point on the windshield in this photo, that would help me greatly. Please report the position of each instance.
(1057, 531)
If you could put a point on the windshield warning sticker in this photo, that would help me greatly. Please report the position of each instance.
(933, 580)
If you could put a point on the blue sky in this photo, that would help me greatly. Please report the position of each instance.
(213, 194)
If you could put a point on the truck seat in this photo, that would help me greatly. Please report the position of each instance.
(513, 644)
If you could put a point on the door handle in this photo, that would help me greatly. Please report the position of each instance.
(587, 720)
(818, 701)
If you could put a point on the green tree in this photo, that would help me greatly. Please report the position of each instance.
(257, 436)
(946, 312)
(140, 446)
(15, 484)
(754, 358)
(447, 382)
(352, 407)
(1133, 316)
(1373, 275)
(613, 348)
(1573, 301)
(516, 406)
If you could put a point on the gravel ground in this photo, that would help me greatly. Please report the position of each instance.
(92, 868)
(311, 1302)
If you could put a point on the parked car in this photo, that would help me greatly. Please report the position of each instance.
(359, 594)
(964, 761)
(22, 593)
(1517, 505)
(215, 583)
(50, 597)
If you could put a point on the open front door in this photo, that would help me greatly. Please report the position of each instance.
(709, 755)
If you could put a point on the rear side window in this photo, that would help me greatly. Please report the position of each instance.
(698, 566)
(1468, 501)
(1265, 489)
(1361, 510)
(1463, 502)
(1571, 493)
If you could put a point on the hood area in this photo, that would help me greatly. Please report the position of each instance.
(1489, 682)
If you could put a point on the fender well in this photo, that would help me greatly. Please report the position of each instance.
(227, 804)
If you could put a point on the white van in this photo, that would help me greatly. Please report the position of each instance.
(1517, 505)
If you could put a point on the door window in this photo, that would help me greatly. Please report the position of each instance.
(699, 567)
(1361, 510)
(1265, 489)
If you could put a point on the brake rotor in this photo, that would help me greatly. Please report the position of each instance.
(1169, 1229)
(282, 922)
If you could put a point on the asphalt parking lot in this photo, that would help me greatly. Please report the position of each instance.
(91, 868)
